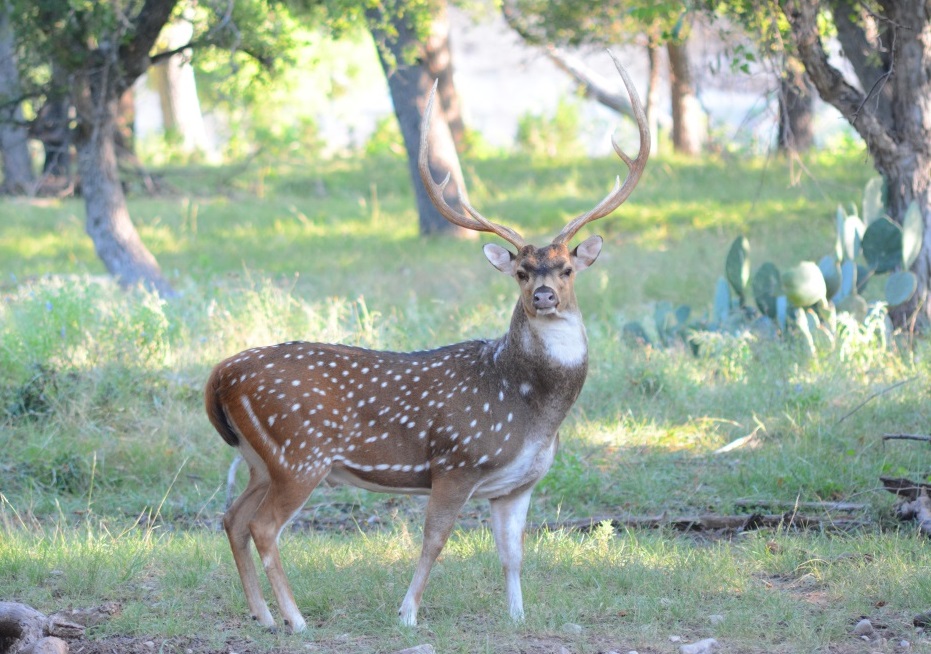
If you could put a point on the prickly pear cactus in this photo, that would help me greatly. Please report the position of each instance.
(767, 286)
(804, 284)
(737, 267)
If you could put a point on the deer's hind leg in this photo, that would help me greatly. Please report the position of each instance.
(284, 498)
(236, 523)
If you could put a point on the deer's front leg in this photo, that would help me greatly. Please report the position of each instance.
(446, 500)
(508, 518)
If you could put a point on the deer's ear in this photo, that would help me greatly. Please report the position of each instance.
(586, 252)
(501, 258)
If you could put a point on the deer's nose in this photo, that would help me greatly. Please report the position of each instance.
(544, 298)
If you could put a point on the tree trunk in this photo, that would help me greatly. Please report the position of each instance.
(796, 109)
(899, 140)
(410, 84)
(51, 127)
(108, 223)
(125, 126)
(177, 91)
(18, 176)
(439, 60)
(653, 90)
(688, 119)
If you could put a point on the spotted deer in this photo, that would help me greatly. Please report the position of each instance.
(477, 419)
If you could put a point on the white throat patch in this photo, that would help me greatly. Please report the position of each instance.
(563, 338)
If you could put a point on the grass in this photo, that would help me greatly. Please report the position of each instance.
(112, 481)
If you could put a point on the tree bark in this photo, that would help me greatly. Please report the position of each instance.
(796, 108)
(115, 238)
(899, 141)
(18, 176)
(688, 119)
(51, 127)
(410, 84)
(653, 91)
(182, 118)
(439, 60)
(863, 41)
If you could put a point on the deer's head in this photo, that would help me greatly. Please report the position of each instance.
(545, 275)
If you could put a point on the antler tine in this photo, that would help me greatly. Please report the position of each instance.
(620, 192)
(474, 221)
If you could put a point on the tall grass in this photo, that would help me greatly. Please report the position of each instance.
(109, 465)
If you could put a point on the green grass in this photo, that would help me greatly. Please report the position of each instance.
(112, 480)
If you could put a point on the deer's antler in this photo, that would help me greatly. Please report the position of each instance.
(616, 197)
(474, 221)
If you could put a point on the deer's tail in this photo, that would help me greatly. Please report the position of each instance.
(215, 411)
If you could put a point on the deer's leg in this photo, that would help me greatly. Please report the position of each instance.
(236, 522)
(284, 499)
(508, 517)
(447, 497)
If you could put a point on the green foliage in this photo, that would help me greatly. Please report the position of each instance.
(809, 296)
(235, 45)
(566, 22)
(113, 482)
(385, 139)
(551, 135)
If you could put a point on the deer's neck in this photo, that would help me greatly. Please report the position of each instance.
(545, 358)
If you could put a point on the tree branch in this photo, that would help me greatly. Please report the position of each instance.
(862, 56)
(590, 81)
(148, 24)
(802, 16)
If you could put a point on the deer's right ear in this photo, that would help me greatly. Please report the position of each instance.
(501, 258)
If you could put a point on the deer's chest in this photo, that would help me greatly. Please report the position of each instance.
(526, 468)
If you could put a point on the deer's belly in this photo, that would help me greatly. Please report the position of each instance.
(399, 484)
(527, 468)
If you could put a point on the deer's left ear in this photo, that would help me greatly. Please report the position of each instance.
(586, 252)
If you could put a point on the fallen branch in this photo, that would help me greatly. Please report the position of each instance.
(915, 503)
(905, 488)
(873, 397)
(844, 507)
(906, 437)
(711, 522)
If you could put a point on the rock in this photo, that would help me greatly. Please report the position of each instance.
(572, 628)
(705, 646)
(716, 619)
(675, 639)
(864, 628)
(47, 645)
(419, 649)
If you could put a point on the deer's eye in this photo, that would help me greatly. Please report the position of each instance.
(522, 276)
(567, 272)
